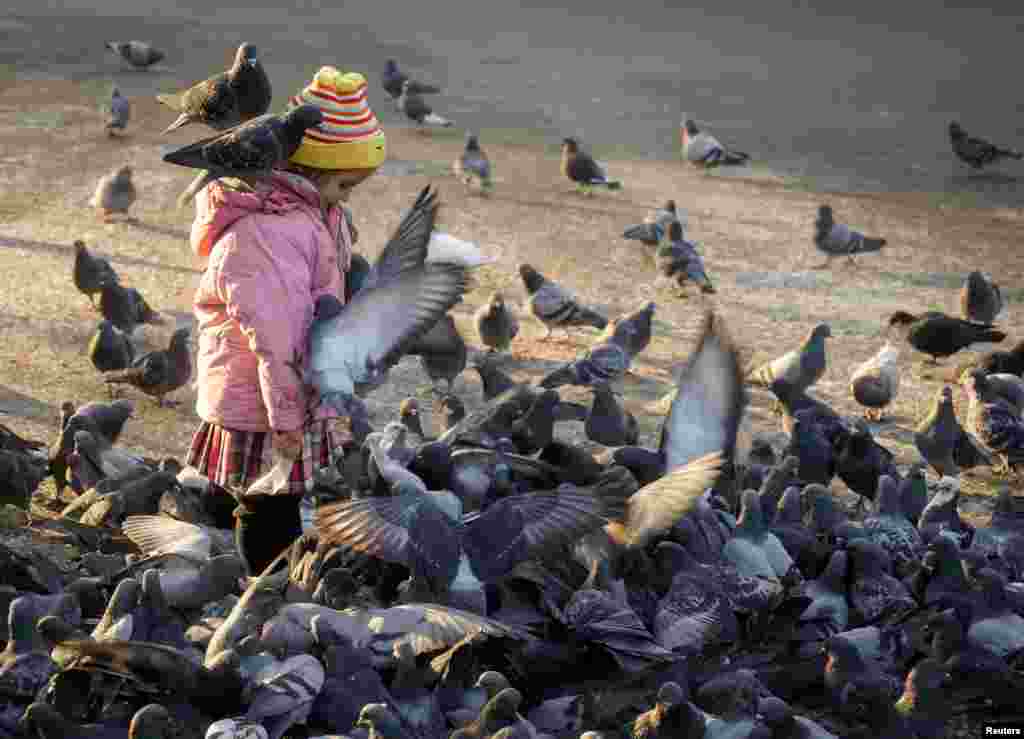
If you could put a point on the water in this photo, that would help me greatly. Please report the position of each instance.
(841, 96)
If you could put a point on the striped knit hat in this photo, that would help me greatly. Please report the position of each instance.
(350, 136)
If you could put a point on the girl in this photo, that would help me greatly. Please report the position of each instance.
(269, 252)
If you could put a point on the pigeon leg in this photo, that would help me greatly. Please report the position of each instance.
(547, 333)
(824, 265)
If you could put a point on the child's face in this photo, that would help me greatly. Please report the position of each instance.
(336, 185)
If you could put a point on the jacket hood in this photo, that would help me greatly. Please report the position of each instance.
(220, 204)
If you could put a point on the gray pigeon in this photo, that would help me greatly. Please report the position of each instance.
(120, 112)
(703, 150)
(442, 352)
(496, 324)
(608, 362)
(249, 150)
(416, 109)
(655, 226)
(159, 372)
(126, 308)
(554, 306)
(234, 96)
(114, 194)
(837, 239)
(976, 151)
(678, 260)
(472, 166)
(353, 346)
(800, 368)
(140, 54)
(608, 422)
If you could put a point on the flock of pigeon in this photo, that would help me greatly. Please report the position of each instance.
(495, 579)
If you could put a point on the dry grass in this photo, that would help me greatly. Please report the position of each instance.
(755, 236)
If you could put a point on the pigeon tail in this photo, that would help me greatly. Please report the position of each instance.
(734, 157)
(1009, 153)
(871, 245)
(433, 119)
(566, 375)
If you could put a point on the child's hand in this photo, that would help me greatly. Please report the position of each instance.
(288, 443)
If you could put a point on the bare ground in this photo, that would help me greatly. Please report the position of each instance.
(755, 235)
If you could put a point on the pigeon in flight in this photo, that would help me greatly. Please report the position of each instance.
(139, 54)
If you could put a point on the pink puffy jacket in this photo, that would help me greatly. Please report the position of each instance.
(268, 255)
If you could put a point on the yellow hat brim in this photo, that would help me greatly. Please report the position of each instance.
(367, 153)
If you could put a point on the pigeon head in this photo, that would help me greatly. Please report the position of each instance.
(955, 131)
(571, 144)
(691, 126)
(472, 144)
(493, 682)
(152, 720)
(452, 408)
(775, 711)
(409, 407)
(496, 303)
(825, 214)
(124, 174)
(843, 653)
(901, 319)
(821, 331)
(391, 65)
(303, 117)
(670, 206)
(675, 231)
(375, 713)
(532, 279)
(247, 55)
(179, 339)
(670, 694)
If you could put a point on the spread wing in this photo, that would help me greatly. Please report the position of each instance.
(407, 247)
(164, 535)
(706, 412)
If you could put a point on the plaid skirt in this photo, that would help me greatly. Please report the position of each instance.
(236, 459)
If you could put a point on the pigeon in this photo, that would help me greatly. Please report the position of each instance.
(755, 550)
(892, 529)
(977, 152)
(828, 613)
(876, 595)
(581, 168)
(496, 324)
(110, 349)
(875, 382)
(785, 724)
(607, 361)
(554, 306)
(126, 308)
(233, 96)
(939, 335)
(634, 329)
(415, 108)
(855, 683)
(353, 346)
(442, 352)
(655, 226)
(494, 382)
(799, 368)
(249, 150)
(392, 80)
(114, 193)
(698, 436)
(284, 696)
(25, 663)
(995, 625)
(980, 298)
(140, 54)
(994, 422)
(837, 239)
(120, 112)
(152, 721)
(809, 443)
(608, 423)
(975, 671)
(472, 166)
(91, 273)
(93, 458)
(101, 418)
(194, 564)
(452, 559)
(678, 260)
(913, 492)
(159, 372)
(942, 441)
(860, 460)
(703, 150)
(1008, 388)
(995, 362)
(672, 716)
